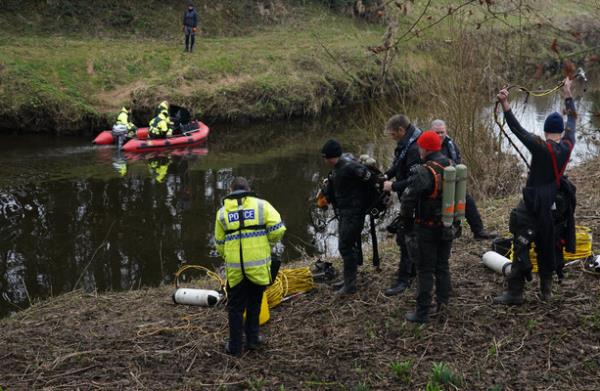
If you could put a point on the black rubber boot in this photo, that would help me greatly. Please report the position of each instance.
(545, 288)
(346, 290)
(231, 352)
(397, 288)
(513, 295)
(349, 287)
(257, 343)
(338, 284)
(509, 298)
(418, 316)
(483, 235)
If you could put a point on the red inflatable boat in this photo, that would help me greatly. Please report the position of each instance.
(189, 138)
(106, 137)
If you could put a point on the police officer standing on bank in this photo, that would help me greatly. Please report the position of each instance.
(421, 212)
(406, 156)
(451, 150)
(347, 190)
(246, 228)
(533, 219)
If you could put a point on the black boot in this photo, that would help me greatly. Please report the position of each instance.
(232, 352)
(545, 288)
(338, 284)
(483, 235)
(418, 316)
(440, 309)
(397, 288)
(346, 290)
(256, 343)
(513, 295)
(349, 285)
(509, 298)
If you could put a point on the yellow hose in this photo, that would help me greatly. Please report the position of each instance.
(210, 273)
(289, 282)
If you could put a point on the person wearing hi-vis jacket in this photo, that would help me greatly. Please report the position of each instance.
(246, 229)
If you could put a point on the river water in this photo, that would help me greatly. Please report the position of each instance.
(73, 215)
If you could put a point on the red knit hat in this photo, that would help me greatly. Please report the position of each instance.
(430, 141)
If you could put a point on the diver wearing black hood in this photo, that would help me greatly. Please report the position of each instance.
(545, 214)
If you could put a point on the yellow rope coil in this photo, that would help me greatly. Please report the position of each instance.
(209, 273)
(583, 248)
(275, 292)
(583, 244)
(289, 282)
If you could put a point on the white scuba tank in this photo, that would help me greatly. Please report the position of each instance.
(497, 262)
(201, 297)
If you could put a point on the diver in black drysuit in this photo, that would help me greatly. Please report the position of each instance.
(347, 190)
(406, 156)
(548, 200)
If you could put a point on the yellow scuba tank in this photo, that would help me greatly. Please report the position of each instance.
(448, 195)
(461, 192)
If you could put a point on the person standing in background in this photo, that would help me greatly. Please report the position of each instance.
(190, 24)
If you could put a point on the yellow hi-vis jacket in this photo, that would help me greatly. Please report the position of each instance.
(123, 119)
(163, 106)
(160, 125)
(246, 247)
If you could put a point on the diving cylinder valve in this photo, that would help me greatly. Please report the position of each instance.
(497, 262)
(201, 297)
(448, 195)
(461, 192)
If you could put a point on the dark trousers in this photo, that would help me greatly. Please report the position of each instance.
(244, 296)
(548, 247)
(349, 242)
(472, 215)
(432, 262)
(190, 38)
(406, 268)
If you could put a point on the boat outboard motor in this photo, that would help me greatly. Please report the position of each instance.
(119, 133)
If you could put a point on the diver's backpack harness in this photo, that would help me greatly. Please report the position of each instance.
(559, 173)
(451, 182)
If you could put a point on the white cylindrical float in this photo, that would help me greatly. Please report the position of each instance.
(497, 262)
(201, 297)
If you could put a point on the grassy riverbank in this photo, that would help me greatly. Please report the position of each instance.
(67, 67)
(140, 340)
